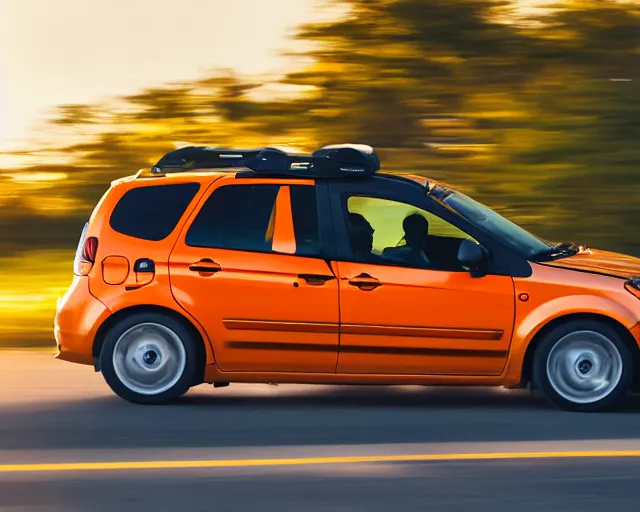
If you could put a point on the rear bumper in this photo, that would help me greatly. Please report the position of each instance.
(78, 318)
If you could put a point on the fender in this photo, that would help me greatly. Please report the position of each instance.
(156, 294)
(531, 323)
(117, 294)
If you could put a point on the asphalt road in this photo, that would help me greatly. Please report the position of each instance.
(404, 443)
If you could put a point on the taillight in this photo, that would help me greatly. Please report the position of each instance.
(85, 253)
(90, 249)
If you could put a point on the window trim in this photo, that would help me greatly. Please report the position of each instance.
(279, 184)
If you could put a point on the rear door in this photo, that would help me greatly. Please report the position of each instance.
(249, 267)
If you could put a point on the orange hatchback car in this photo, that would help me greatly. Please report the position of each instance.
(223, 266)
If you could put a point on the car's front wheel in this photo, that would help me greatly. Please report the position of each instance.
(149, 358)
(583, 365)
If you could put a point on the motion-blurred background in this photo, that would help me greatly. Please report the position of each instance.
(530, 106)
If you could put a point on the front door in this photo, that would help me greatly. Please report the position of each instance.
(249, 270)
(406, 305)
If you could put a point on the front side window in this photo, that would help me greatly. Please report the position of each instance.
(242, 217)
(392, 232)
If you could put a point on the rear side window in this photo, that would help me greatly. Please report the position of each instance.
(152, 213)
(238, 217)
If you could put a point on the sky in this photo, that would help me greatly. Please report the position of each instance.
(55, 52)
(76, 51)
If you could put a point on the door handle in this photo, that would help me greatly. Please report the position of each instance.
(365, 282)
(315, 279)
(205, 266)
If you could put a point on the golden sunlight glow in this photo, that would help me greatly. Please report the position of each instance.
(52, 205)
(74, 51)
(534, 6)
(35, 177)
(29, 293)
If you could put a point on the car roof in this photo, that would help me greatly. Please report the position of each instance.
(144, 177)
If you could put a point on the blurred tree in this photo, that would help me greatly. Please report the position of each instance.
(587, 103)
(528, 114)
(534, 115)
(230, 96)
(535, 107)
(391, 65)
(74, 115)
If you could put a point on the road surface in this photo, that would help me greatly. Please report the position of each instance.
(68, 444)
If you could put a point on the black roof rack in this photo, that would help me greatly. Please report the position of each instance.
(203, 157)
(335, 161)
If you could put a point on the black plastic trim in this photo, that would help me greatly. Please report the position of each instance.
(144, 265)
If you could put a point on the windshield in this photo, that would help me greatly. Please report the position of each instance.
(510, 234)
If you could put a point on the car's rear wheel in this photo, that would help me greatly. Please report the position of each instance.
(149, 358)
(583, 365)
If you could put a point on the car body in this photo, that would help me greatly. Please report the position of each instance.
(229, 274)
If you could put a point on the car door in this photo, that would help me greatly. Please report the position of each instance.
(248, 267)
(404, 317)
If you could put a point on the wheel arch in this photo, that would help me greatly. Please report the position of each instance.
(625, 334)
(121, 314)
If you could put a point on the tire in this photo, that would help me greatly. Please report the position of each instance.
(583, 365)
(149, 358)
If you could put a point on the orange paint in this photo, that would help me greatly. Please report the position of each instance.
(284, 240)
(261, 287)
(77, 321)
(432, 322)
(279, 317)
(115, 269)
(555, 293)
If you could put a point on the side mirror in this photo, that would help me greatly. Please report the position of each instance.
(472, 257)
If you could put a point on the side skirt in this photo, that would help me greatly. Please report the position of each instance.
(213, 374)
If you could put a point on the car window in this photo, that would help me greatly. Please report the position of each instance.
(402, 234)
(152, 212)
(513, 236)
(241, 217)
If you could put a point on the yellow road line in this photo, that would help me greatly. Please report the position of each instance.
(239, 463)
